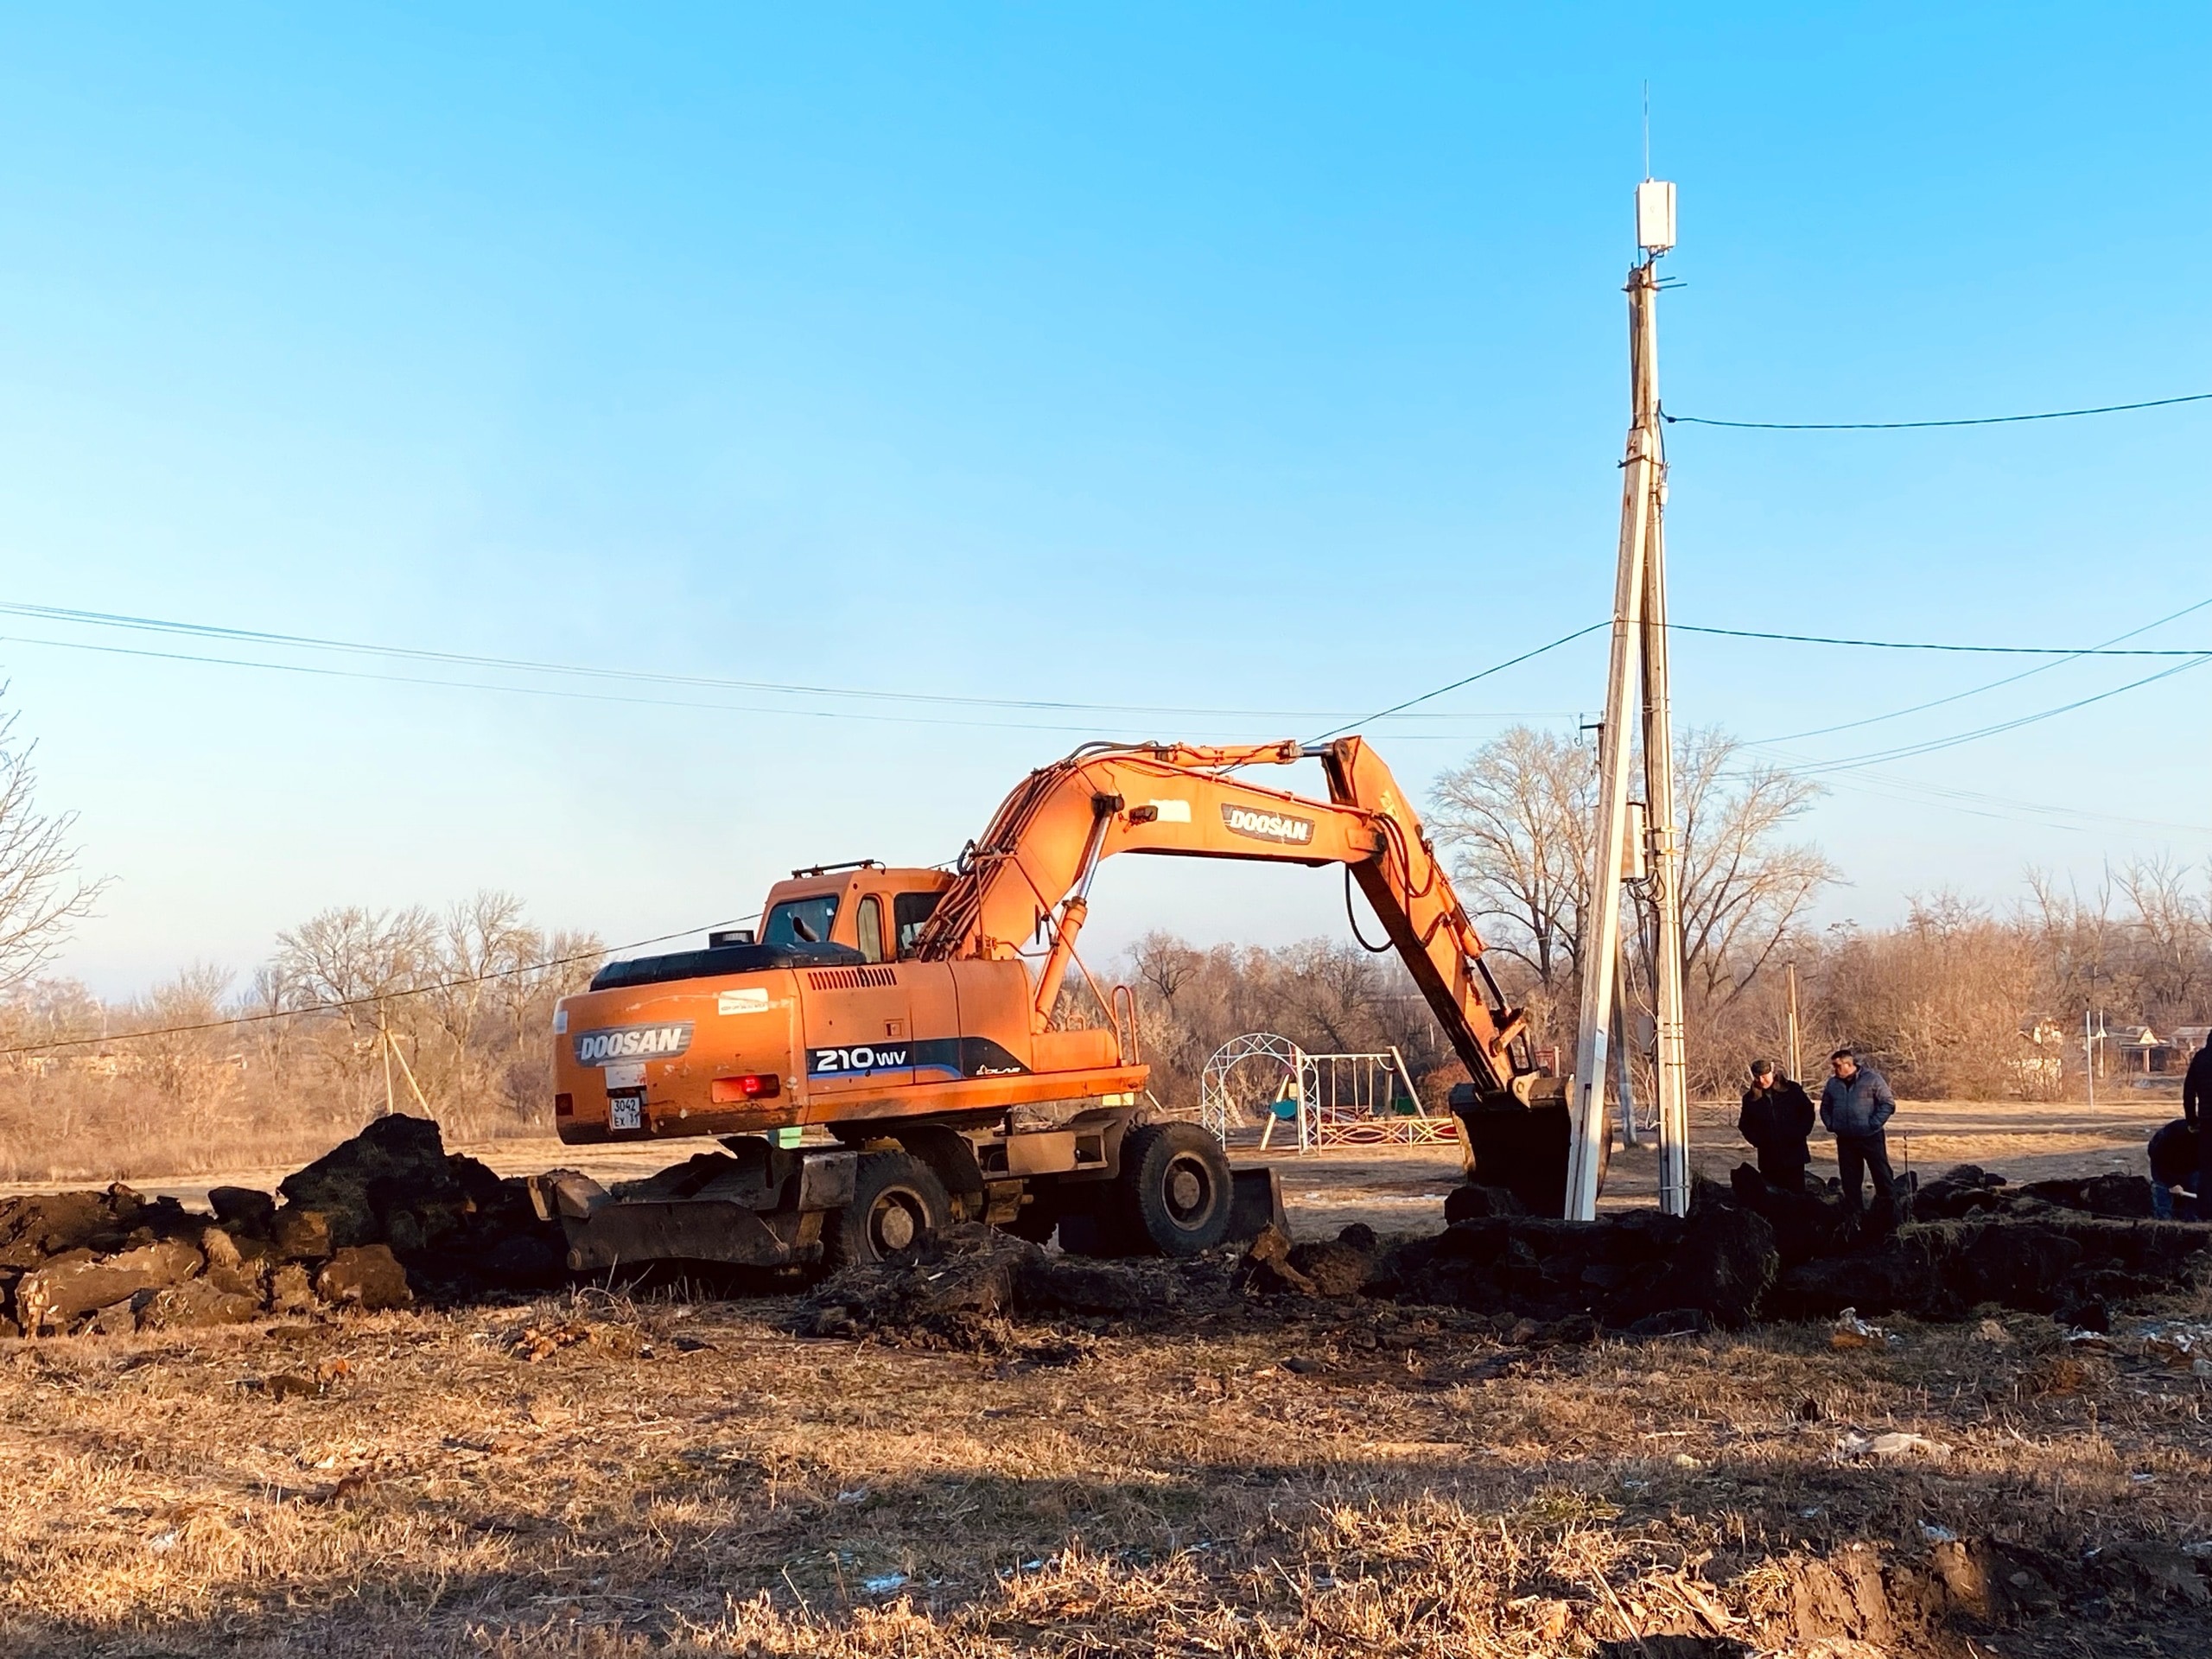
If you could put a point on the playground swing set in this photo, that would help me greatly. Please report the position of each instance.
(1328, 1100)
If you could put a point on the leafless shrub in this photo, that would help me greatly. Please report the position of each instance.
(40, 892)
(356, 1011)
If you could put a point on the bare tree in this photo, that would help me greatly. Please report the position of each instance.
(359, 960)
(2172, 927)
(1939, 1000)
(186, 1055)
(1744, 890)
(2084, 947)
(1520, 814)
(40, 892)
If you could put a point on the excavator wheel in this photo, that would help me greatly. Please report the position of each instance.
(1176, 1193)
(897, 1203)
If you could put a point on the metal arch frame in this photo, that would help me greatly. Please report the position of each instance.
(1214, 1103)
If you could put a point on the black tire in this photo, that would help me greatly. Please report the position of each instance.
(898, 1204)
(1175, 1191)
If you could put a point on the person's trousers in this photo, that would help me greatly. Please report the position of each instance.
(2173, 1204)
(1859, 1156)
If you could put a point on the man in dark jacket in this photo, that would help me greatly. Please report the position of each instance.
(1776, 1117)
(2197, 1107)
(1855, 1103)
(2175, 1159)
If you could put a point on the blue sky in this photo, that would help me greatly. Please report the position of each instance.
(1235, 358)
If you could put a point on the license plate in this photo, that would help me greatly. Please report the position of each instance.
(625, 1111)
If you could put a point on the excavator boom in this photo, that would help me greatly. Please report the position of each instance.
(1028, 878)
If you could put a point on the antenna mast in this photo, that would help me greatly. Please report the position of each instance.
(1638, 661)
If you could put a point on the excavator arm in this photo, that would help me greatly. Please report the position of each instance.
(1028, 879)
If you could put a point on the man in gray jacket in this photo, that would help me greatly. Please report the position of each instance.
(1855, 1102)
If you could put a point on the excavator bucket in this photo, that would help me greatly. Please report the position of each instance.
(1521, 1146)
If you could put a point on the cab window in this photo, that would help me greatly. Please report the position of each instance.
(911, 911)
(801, 921)
(867, 921)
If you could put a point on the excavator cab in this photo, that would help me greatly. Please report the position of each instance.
(876, 911)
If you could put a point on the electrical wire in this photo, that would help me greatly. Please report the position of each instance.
(1914, 426)
(510, 664)
(2005, 808)
(339, 1005)
(571, 695)
(1495, 668)
(1975, 692)
(1849, 763)
(1921, 644)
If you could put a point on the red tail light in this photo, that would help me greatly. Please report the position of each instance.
(754, 1085)
(564, 1105)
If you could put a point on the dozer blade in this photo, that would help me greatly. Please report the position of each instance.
(629, 1232)
(703, 1210)
(1256, 1197)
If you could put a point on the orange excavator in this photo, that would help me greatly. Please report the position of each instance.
(886, 1052)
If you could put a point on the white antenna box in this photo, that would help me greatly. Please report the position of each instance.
(1654, 215)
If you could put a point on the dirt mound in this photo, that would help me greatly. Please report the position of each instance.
(2073, 1265)
(1967, 1190)
(380, 1221)
(1718, 1262)
(1747, 1252)
(457, 1227)
(1950, 1602)
(390, 1218)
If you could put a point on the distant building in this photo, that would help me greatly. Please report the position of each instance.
(2142, 1053)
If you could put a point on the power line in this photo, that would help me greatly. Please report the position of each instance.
(468, 659)
(343, 1003)
(1975, 692)
(572, 696)
(307, 642)
(1914, 426)
(1920, 645)
(2003, 808)
(1933, 745)
(1495, 668)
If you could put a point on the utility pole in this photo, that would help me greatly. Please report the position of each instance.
(1796, 1061)
(384, 1042)
(1638, 663)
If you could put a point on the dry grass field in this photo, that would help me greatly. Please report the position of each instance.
(597, 1475)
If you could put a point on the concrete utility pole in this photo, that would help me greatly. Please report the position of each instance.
(1796, 1061)
(1638, 661)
